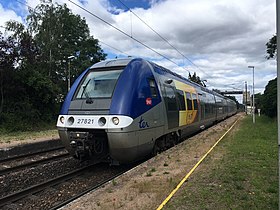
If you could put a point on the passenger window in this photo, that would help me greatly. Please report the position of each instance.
(153, 88)
(189, 101)
(181, 98)
(194, 97)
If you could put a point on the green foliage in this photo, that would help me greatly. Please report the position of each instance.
(269, 99)
(197, 79)
(271, 47)
(34, 64)
(267, 102)
(259, 101)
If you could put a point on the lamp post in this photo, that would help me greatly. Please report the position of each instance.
(69, 72)
(253, 67)
(246, 97)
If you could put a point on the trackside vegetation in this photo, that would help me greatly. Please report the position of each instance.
(28, 135)
(36, 60)
(240, 173)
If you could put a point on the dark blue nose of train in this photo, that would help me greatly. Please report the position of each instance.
(121, 87)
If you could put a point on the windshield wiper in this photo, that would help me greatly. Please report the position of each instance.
(88, 99)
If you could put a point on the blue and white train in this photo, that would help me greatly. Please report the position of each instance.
(122, 110)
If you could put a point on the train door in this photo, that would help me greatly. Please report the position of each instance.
(182, 107)
(192, 107)
(189, 108)
(171, 107)
(195, 107)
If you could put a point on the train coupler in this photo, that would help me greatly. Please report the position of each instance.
(79, 142)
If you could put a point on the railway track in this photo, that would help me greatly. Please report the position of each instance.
(64, 188)
(11, 164)
(2, 160)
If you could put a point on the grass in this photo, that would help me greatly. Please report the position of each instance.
(27, 135)
(114, 182)
(245, 176)
(149, 173)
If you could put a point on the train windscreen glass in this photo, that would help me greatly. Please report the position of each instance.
(98, 84)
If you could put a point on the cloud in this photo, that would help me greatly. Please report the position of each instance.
(7, 15)
(220, 37)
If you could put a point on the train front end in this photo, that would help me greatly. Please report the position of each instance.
(99, 117)
(85, 116)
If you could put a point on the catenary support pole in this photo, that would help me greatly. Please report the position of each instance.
(254, 117)
(69, 74)
(278, 82)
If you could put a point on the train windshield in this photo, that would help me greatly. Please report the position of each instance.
(98, 84)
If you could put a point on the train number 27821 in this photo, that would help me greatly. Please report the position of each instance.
(85, 121)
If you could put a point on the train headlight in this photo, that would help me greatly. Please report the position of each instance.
(102, 121)
(62, 119)
(115, 120)
(70, 120)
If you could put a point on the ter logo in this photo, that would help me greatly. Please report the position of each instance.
(143, 124)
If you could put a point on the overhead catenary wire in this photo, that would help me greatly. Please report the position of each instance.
(156, 32)
(234, 86)
(31, 8)
(116, 28)
(124, 33)
(113, 48)
(24, 3)
(164, 39)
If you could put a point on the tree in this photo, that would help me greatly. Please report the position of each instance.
(258, 101)
(59, 34)
(197, 79)
(7, 59)
(26, 88)
(271, 47)
(235, 100)
(34, 61)
(217, 91)
(269, 99)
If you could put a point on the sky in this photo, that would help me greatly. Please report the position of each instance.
(216, 39)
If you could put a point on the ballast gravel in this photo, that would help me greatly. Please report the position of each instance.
(22, 179)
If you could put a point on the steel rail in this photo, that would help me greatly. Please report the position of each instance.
(30, 154)
(40, 187)
(63, 203)
(34, 163)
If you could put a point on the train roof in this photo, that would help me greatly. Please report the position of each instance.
(125, 61)
(178, 76)
(113, 62)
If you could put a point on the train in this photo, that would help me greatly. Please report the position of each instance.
(123, 110)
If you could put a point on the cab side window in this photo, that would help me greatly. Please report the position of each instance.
(153, 88)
